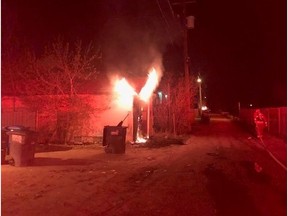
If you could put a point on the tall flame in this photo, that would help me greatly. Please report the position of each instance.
(125, 93)
(149, 86)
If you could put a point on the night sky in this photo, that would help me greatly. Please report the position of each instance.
(238, 47)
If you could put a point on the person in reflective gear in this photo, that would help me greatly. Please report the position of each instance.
(260, 123)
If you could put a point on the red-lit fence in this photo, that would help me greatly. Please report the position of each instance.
(23, 118)
(276, 118)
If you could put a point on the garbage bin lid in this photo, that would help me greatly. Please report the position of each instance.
(15, 128)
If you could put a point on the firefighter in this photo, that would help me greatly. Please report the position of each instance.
(260, 123)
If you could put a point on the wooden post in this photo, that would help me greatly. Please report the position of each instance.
(279, 121)
(169, 107)
(268, 120)
(150, 117)
(186, 66)
(174, 126)
(36, 120)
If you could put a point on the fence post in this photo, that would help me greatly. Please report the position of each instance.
(36, 120)
(279, 121)
(268, 120)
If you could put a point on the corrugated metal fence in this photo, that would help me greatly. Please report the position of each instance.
(23, 118)
(276, 118)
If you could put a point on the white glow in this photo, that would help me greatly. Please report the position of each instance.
(150, 85)
(141, 140)
(204, 108)
(125, 94)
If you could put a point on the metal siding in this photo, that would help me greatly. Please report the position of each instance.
(23, 118)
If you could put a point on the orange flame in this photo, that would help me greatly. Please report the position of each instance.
(149, 86)
(125, 93)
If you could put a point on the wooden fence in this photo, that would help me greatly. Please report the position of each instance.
(23, 118)
(276, 119)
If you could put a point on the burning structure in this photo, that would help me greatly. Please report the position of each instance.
(139, 103)
(106, 106)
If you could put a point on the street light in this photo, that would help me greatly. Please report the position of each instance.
(200, 95)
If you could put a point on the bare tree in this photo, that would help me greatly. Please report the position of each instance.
(52, 82)
(183, 119)
(10, 48)
(171, 113)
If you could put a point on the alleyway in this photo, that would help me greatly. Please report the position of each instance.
(220, 170)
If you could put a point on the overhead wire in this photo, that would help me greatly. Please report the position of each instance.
(171, 8)
(167, 28)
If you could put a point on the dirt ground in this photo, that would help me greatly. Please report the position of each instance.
(212, 173)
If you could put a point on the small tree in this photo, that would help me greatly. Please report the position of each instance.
(172, 114)
(183, 117)
(54, 80)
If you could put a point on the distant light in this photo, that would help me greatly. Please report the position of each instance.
(250, 105)
(199, 80)
(166, 96)
(160, 96)
(204, 108)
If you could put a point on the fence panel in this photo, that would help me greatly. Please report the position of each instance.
(23, 118)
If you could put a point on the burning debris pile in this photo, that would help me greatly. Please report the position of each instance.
(161, 141)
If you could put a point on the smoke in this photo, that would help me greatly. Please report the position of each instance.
(132, 47)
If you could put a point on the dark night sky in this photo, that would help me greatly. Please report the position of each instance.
(238, 47)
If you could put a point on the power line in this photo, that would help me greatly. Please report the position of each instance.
(184, 2)
(167, 28)
(171, 8)
(163, 16)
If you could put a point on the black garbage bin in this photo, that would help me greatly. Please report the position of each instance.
(114, 138)
(21, 146)
(4, 145)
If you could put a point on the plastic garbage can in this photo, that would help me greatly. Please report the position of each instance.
(21, 146)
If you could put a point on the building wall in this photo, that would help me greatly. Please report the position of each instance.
(105, 111)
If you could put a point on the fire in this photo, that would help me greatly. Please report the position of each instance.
(141, 140)
(125, 94)
(149, 86)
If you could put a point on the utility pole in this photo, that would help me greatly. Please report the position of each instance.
(187, 23)
(200, 96)
(186, 59)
